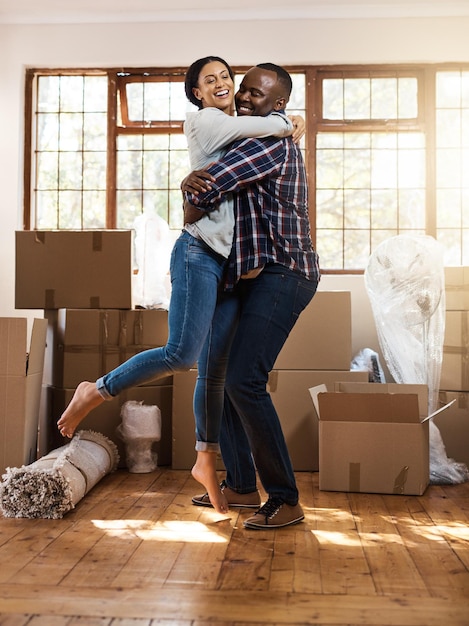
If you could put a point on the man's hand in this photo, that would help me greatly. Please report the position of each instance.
(299, 127)
(191, 213)
(197, 181)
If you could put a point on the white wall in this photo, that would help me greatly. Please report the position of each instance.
(178, 44)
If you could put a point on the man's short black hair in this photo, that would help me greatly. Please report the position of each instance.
(283, 76)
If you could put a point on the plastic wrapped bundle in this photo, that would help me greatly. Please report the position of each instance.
(54, 484)
(140, 427)
(153, 245)
(405, 281)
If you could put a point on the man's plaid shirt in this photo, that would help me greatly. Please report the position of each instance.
(268, 179)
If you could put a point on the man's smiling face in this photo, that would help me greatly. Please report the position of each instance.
(259, 93)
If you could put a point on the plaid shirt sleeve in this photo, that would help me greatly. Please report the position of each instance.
(246, 162)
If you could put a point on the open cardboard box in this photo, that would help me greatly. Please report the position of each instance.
(21, 373)
(373, 437)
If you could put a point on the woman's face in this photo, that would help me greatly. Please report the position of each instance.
(215, 87)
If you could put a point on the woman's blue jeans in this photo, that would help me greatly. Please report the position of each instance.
(251, 435)
(196, 273)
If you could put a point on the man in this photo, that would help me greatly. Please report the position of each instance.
(274, 272)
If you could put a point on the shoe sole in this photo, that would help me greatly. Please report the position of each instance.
(272, 526)
(231, 505)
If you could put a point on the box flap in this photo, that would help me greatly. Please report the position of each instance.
(314, 392)
(388, 388)
(360, 407)
(37, 346)
(13, 350)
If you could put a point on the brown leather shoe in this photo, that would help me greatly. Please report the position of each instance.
(240, 500)
(275, 514)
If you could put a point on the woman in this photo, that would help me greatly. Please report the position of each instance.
(197, 263)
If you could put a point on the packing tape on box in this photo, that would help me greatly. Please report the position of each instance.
(461, 398)
(40, 236)
(400, 480)
(355, 483)
(273, 381)
(354, 476)
(462, 351)
(97, 241)
(463, 354)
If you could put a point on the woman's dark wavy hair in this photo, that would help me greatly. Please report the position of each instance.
(192, 76)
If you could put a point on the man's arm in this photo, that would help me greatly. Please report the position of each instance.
(251, 160)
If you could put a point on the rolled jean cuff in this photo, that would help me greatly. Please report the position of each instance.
(206, 446)
(103, 392)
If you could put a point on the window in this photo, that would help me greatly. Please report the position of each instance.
(452, 164)
(386, 150)
(370, 163)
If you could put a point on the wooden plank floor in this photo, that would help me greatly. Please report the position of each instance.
(135, 552)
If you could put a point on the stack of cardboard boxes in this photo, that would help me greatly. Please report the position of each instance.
(82, 280)
(318, 351)
(454, 384)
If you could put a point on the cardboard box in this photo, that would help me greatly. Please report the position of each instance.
(453, 425)
(373, 438)
(322, 337)
(84, 344)
(73, 269)
(455, 364)
(457, 288)
(291, 398)
(20, 390)
(106, 418)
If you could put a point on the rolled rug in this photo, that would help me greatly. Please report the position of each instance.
(55, 483)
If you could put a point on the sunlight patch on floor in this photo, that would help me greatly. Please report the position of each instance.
(171, 530)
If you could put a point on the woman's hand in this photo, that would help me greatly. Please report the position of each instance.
(299, 127)
(197, 181)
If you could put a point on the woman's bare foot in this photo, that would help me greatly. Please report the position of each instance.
(205, 472)
(85, 398)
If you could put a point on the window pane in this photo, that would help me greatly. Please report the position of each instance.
(95, 94)
(384, 208)
(94, 170)
(47, 209)
(357, 209)
(70, 170)
(129, 170)
(356, 248)
(71, 93)
(70, 214)
(330, 247)
(357, 99)
(384, 98)
(47, 167)
(95, 131)
(94, 209)
(407, 98)
(48, 93)
(129, 206)
(47, 131)
(329, 208)
(370, 98)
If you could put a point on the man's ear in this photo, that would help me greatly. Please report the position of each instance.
(280, 104)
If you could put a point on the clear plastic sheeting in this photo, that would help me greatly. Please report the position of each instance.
(152, 253)
(405, 282)
(367, 360)
(139, 429)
